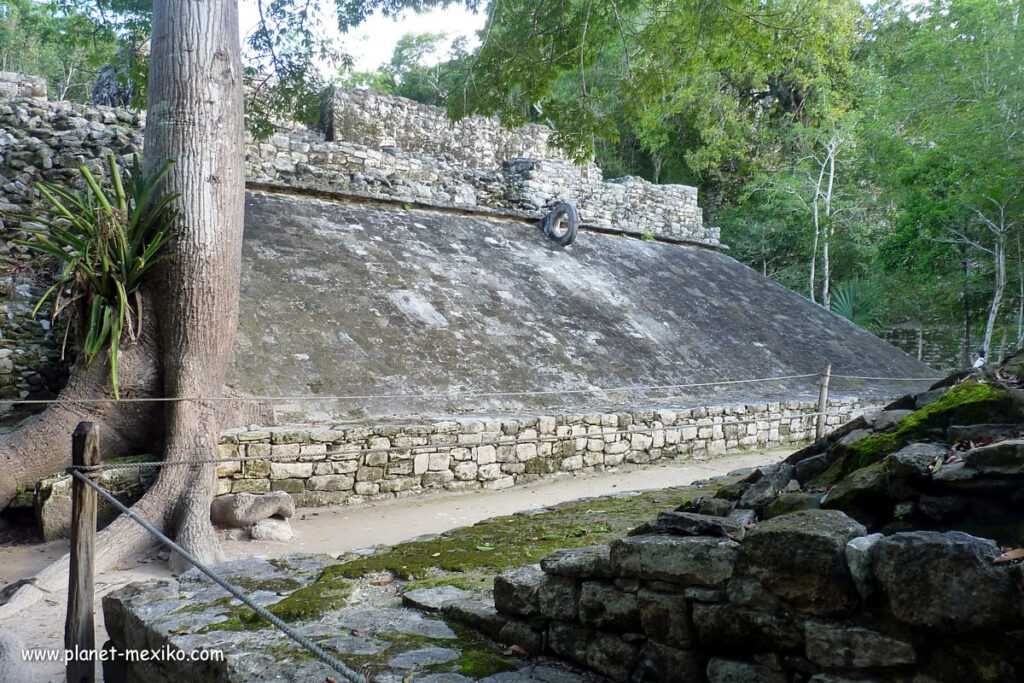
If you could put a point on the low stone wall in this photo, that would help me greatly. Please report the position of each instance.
(326, 466)
(378, 120)
(629, 204)
(807, 596)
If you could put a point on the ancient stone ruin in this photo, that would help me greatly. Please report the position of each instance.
(873, 555)
(415, 330)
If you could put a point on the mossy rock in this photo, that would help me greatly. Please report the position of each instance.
(863, 495)
(971, 402)
(792, 502)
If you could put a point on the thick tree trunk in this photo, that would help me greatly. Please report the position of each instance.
(195, 116)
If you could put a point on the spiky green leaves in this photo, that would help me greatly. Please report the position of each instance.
(107, 241)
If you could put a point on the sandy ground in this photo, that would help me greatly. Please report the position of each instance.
(336, 530)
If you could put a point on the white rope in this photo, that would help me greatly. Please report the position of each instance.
(367, 397)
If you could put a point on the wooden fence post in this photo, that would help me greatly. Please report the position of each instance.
(823, 401)
(80, 627)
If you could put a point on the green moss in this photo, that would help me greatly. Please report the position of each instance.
(468, 582)
(280, 584)
(514, 541)
(968, 403)
(329, 592)
(480, 662)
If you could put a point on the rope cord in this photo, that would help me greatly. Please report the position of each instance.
(891, 379)
(313, 648)
(505, 441)
(366, 397)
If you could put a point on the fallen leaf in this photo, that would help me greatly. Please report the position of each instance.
(1011, 555)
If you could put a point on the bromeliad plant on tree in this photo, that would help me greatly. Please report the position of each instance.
(107, 241)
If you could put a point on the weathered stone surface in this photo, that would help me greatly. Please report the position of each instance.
(13, 667)
(836, 646)
(271, 529)
(243, 509)
(734, 671)
(695, 560)
(980, 432)
(591, 561)
(772, 482)
(860, 558)
(605, 653)
(665, 617)
(755, 631)
(52, 501)
(1003, 458)
(911, 462)
(801, 558)
(947, 582)
(887, 419)
(434, 599)
(528, 592)
(747, 592)
(792, 502)
(515, 591)
(603, 606)
(694, 524)
(423, 657)
(558, 597)
(659, 663)
(863, 495)
(809, 468)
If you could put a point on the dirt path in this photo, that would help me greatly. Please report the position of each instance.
(335, 530)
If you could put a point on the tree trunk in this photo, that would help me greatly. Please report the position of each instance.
(195, 117)
(999, 264)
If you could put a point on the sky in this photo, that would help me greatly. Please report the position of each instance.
(372, 42)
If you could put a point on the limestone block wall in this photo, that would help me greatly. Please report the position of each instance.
(378, 120)
(628, 204)
(334, 465)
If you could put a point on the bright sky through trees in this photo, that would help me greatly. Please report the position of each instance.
(372, 43)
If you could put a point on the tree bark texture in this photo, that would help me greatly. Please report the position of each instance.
(195, 117)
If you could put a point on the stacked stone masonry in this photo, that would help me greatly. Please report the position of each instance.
(806, 596)
(340, 465)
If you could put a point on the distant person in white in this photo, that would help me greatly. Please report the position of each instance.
(979, 359)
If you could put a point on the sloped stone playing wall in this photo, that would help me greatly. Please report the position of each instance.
(416, 155)
(806, 596)
(332, 465)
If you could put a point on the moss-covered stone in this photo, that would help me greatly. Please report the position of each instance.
(792, 502)
(971, 402)
(864, 496)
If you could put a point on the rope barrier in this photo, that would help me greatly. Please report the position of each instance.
(891, 379)
(368, 397)
(503, 441)
(314, 649)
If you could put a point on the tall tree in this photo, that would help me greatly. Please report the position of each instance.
(953, 96)
(194, 118)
